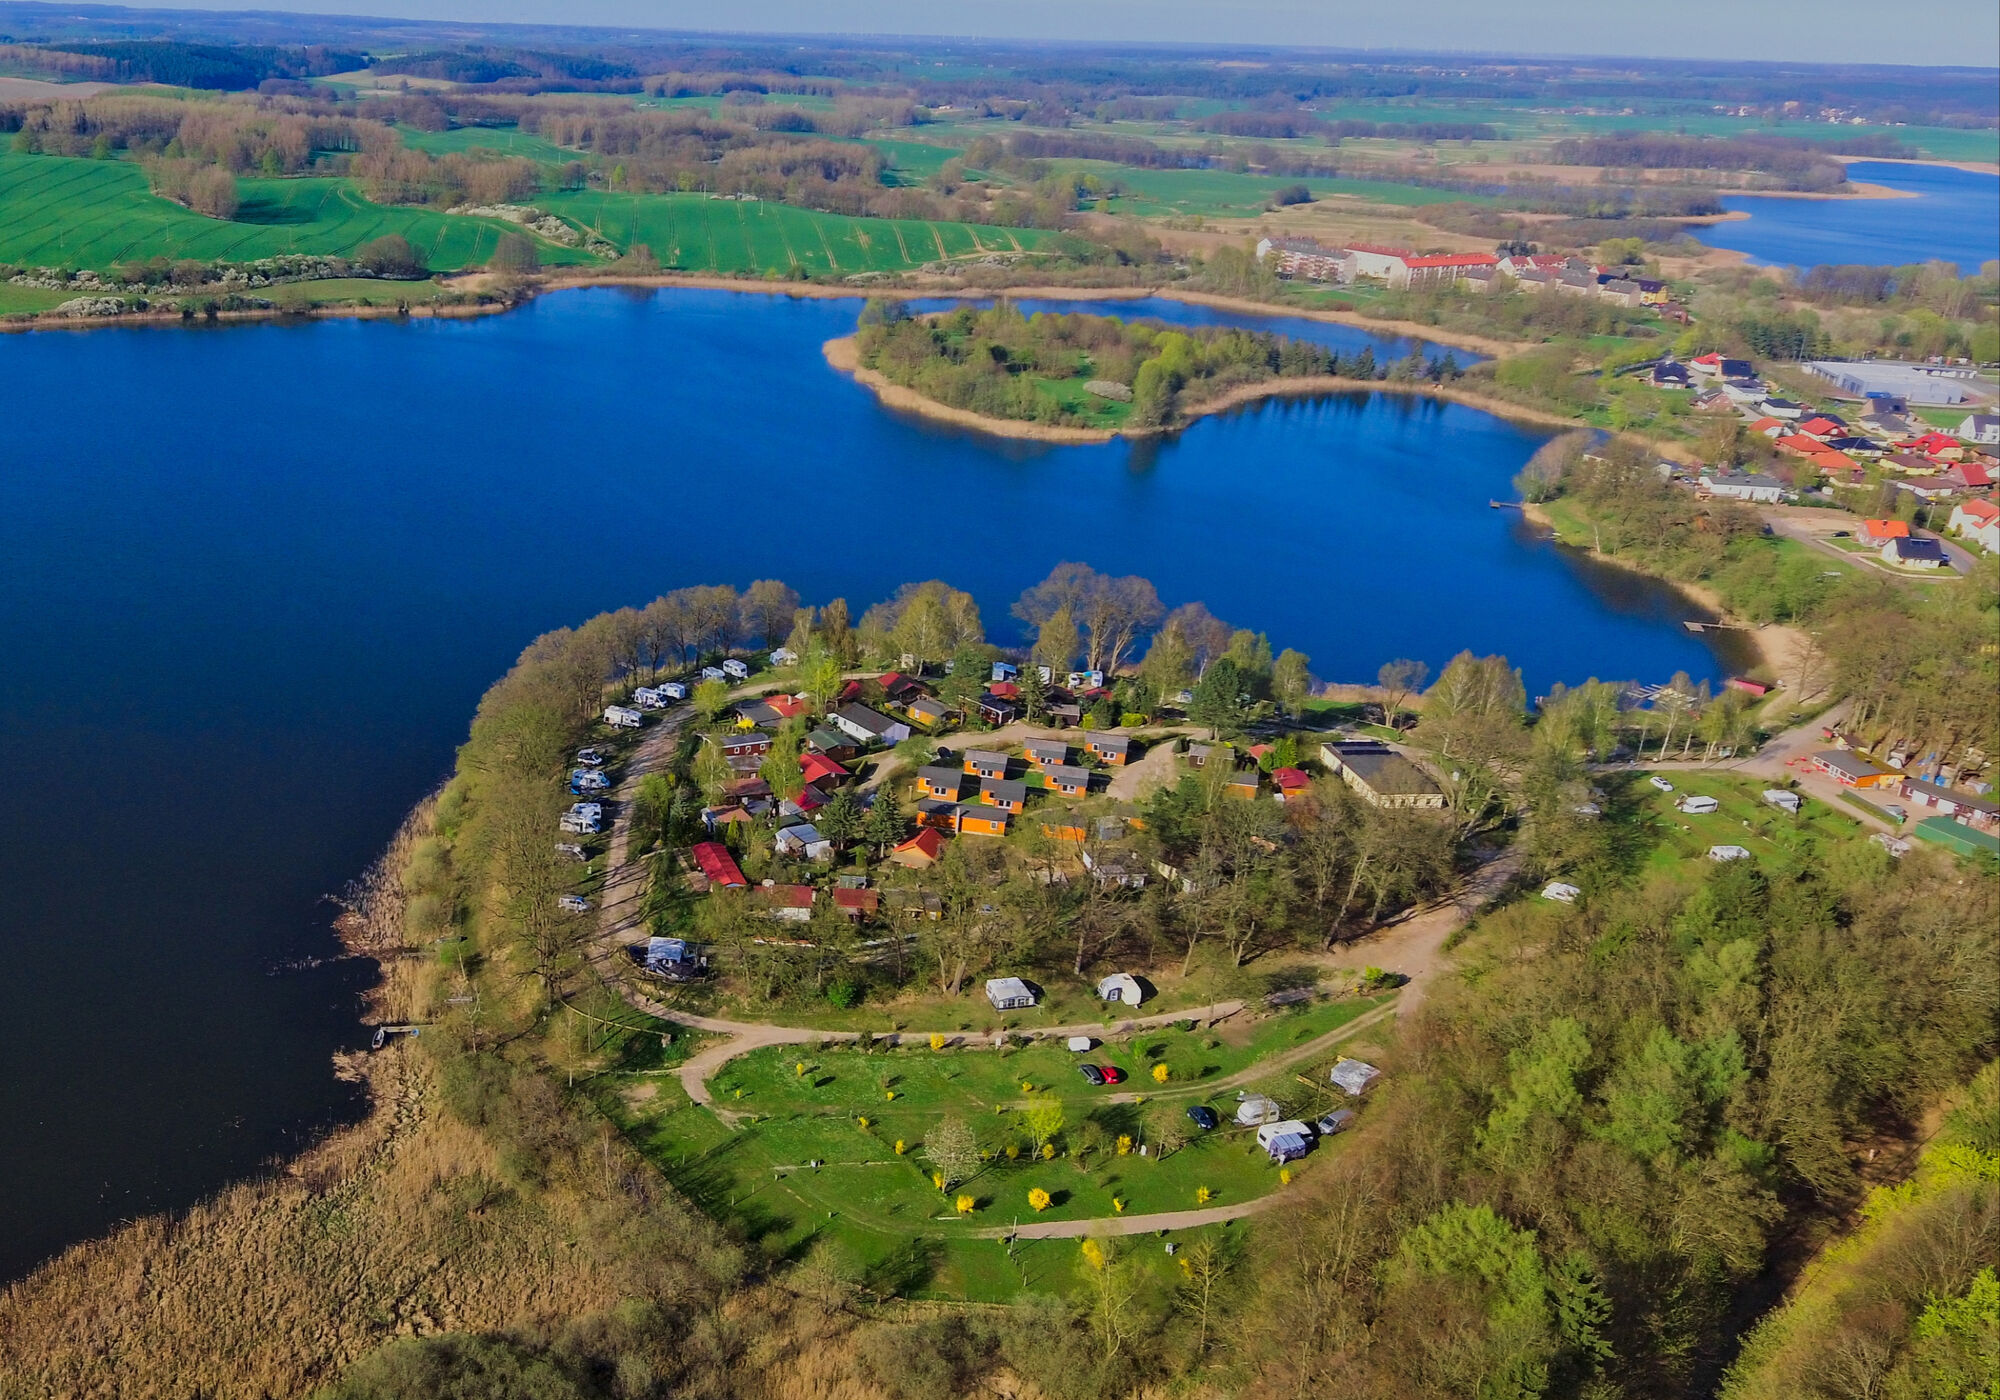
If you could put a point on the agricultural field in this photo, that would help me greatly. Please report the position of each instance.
(56, 211)
(501, 140)
(848, 1110)
(1226, 194)
(695, 233)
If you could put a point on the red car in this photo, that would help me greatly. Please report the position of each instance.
(1112, 1074)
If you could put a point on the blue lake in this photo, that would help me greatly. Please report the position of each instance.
(1955, 216)
(253, 580)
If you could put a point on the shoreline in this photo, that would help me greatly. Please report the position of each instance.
(1976, 167)
(841, 355)
(817, 291)
(1778, 647)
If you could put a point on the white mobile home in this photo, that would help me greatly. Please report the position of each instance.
(1257, 1109)
(1009, 993)
(1782, 800)
(1697, 806)
(735, 670)
(1286, 1141)
(674, 690)
(623, 717)
(648, 698)
(1722, 853)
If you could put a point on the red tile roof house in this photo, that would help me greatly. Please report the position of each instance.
(1968, 476)
(1978, 521)
(858, 904)
(1801, 444)
(1769, 427)
(1882, 531)
(715, 862)
(792, 903)
(1439, 269)
(1290, 783)
(1821, 428)
(899, 687)
(1939, 445)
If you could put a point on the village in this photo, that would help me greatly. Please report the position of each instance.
(1912, 448)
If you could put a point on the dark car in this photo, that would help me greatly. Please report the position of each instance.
(1112, 1074)
(1091, 1073)
(1204, 1118)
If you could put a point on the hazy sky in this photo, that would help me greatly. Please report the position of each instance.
(1867, 31)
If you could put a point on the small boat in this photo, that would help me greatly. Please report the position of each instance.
(381, 1038)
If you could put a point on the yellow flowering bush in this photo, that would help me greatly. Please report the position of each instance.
(1161, 1074)
(937, 1040)
(1202, 1195)
(965, 1205)
(1039, 1199)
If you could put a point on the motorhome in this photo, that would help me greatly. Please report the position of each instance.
(623, 717)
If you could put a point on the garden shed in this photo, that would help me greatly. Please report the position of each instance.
(1009, 993)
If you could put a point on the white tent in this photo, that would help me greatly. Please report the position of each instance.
(1121, 986)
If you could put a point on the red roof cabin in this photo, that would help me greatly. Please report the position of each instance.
(1290, 782)
(858, 904)
(919, 851)
(822, 771)
(718, 865)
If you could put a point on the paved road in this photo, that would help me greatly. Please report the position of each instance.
(1812, 527)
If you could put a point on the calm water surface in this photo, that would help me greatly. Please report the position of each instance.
(1955, 216)
(252, 581)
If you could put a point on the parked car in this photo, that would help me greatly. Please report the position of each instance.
(590, 758)
(1895, 812)
(1661, 783)
(1204, 1117)
(572, 850)
(574, 904)
(1334, 1122)
(1112, 1074)
(1092, 1075)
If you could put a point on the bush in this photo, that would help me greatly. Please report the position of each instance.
(515, 253)
(844, 992)
(390, 256)
(1291, 194)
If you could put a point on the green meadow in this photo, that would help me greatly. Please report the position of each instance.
(694, 233)
(56, 211)
(847, 1110)
(502, 140)
(1224, 193)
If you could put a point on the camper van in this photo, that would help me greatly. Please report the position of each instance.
(573, 904)
(673, 690)
(1286, 1141)
(647, 698)
(623, 717)
(1782, 800)
(1696, 806)
(584, 780)
(1255, 1108)
(735, 670)
(584, 819)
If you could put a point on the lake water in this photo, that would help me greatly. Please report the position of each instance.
(1955, 216)
(254, 578)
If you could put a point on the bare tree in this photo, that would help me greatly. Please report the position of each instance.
(768, 610)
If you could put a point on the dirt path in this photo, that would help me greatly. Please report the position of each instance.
(1129, 1224)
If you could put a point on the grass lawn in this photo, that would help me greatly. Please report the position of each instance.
(694, 233)
(1743, 819)
(15, 299)
(351, 291)
(910, 162)
(59, 211)
(880, 1207)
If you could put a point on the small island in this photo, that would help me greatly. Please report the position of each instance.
(1077, 377)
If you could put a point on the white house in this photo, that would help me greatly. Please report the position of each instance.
(866, 726)
(1978, 521)
(1784, 801)
(1374, 260)
(1915, 553)
(1009, 993)
(1743, 486)
(1354, 1075)
(1982, 428)
(1121, 987)
(623, 717)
